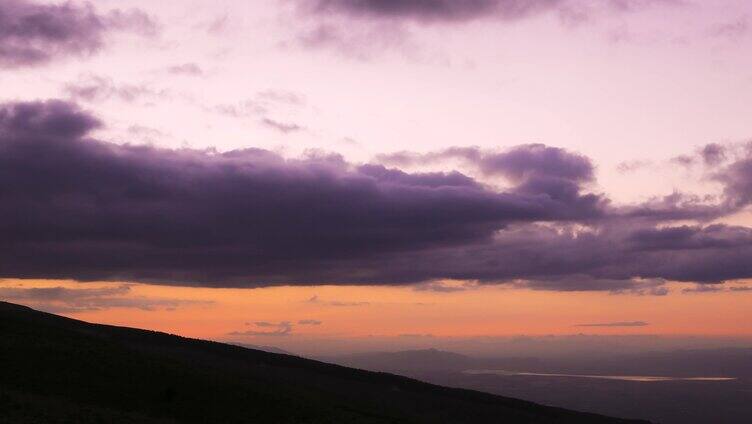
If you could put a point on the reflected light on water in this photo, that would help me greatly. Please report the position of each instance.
(640, 378)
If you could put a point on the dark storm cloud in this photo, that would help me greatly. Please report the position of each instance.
(616, 324)
(79, 208)
(558, 173)
(45, 121)
(533, 169)
(33, 33)
(690, 237)
(678, 206)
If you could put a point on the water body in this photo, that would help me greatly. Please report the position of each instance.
(640, 378)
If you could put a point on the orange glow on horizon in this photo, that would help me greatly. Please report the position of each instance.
(351, 311)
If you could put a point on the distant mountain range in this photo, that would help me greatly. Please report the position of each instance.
(647, 385)
(60, 370)
(733, 362)
(427, 360)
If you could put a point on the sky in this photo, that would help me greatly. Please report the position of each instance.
(341, 175)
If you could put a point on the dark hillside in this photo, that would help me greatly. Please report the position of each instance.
(56, 369)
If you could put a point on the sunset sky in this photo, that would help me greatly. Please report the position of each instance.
(347, 175)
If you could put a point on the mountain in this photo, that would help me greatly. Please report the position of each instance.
(270, 349)
(417, 360)
(411, 361)
(59, 370)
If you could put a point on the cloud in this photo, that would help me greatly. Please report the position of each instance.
(315, 300)
(706, 288)
(458, 11)
(428, 11)
(283, 328)
(713, 154)
(281, 126)
(616, 324)
(74, 207)
(740, 288)
(357, 42)
(33, 33)
(189, 68)
(218, 25)
(446, 286)
(632, 166)
(361, 29)
(273, 329)
(555, 172)
(262, 105)
(710, 155)
(736, 178)
(703, 288)
(96, 88)
(281, 96)
(68, 300)
(519, 163)
(733, 30)
(242, 109)
(684, 160)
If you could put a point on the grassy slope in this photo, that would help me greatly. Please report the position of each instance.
(56, 369)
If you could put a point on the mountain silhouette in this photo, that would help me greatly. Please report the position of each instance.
(60, 370)
(426, 360)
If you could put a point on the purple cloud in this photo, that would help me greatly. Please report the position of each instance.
(713, 154)
(519, 163)
(95, 88)
(282, 127)
(430, 10)
(737, 181)
(75, 207)
(189, 68)
(452, 11)
(33, 33)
